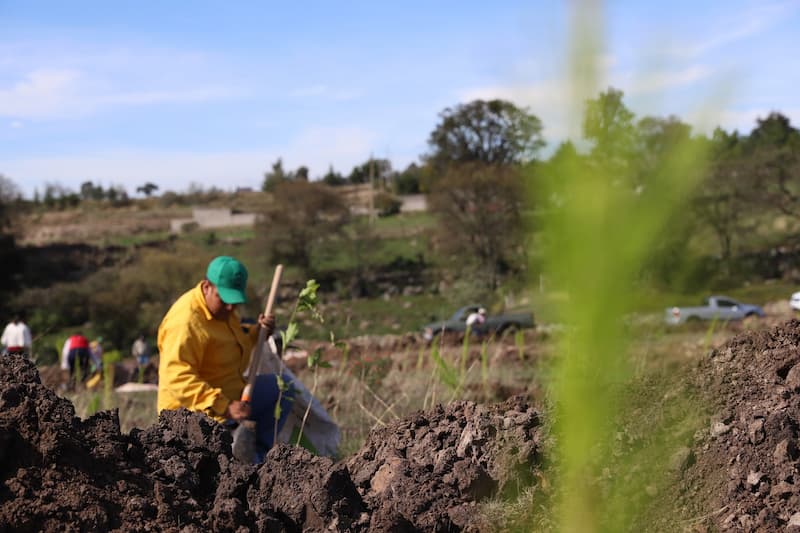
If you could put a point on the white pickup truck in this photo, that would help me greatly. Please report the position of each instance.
(713, 308)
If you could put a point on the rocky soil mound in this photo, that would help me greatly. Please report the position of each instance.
(426, 472)
(743, 472)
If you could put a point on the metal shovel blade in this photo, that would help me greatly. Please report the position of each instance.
(244, 442)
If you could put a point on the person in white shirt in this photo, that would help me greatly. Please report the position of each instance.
(16, 337)
(475, 321)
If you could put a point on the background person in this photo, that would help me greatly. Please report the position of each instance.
(16, 338)
(96, 354)
(477, 318)
(204, 352)
(475, 321)
(141, 350)
(74, 359)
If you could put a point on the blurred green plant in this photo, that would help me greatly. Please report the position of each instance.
(598, 232)
(110, 358)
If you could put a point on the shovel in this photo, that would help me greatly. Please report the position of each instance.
(244, 436)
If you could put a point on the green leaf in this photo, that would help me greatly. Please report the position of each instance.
(307, 300)
(290, 334)
(315, 359)
(447, 374)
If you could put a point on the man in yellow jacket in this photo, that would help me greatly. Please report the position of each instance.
(204, 351)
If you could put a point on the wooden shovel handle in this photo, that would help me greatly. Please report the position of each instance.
(276, 279)
(251, 373)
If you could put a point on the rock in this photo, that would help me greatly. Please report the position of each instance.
(785, 451)
(754, 478)
(782, 490)
(793, 378)
(718, 429)
(681, 459)
(755, 431)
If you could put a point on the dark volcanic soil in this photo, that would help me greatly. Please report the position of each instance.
(426, 472)
(743, 474)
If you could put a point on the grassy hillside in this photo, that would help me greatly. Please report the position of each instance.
(114, 271)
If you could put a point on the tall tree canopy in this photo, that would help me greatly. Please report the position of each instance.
(278, 175)
(494, 132)
(770, 160)
(479, 209)
(378, 169)
(608, 123)
(301, 216)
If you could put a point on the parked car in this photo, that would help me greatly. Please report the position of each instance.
(713, 308)
(457, 323)
(794, 301)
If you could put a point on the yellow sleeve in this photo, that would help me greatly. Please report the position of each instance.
(183, 352)
(252, 333)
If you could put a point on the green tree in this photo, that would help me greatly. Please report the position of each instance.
(378, 169)
(774, 131)
(550, 173)
(659, 136)
(10, 260)
(333, 178)
(9, 192)
(117, 195)
(724, 199)
(300, 218)
(408, 181)
(274, 177)
(609, 125)
(91, 192)
(479, 210)
(494, 132)
(278, 175)
(147, 189)
(771, 162)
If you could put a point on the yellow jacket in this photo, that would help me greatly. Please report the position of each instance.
(201, 360)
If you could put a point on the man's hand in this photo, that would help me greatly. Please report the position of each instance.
(238, 410)
(267, 322)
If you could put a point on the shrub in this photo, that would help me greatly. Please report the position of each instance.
(387, 204)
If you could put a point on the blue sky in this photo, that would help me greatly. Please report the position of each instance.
(212, 93)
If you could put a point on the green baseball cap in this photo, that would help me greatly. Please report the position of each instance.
(230, 278)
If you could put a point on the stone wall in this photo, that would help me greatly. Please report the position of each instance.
(206, 218)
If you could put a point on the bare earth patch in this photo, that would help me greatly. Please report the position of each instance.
(425, 472)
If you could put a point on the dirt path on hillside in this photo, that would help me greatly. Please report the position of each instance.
(426, 472)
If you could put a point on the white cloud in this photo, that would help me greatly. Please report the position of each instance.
(634, 84)
(323, 91)
(314, 90)
(64, 93)
(554, 102)
(41, 93)
(55, 80)
(741, 25)
(551, 101)
(146, 97)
